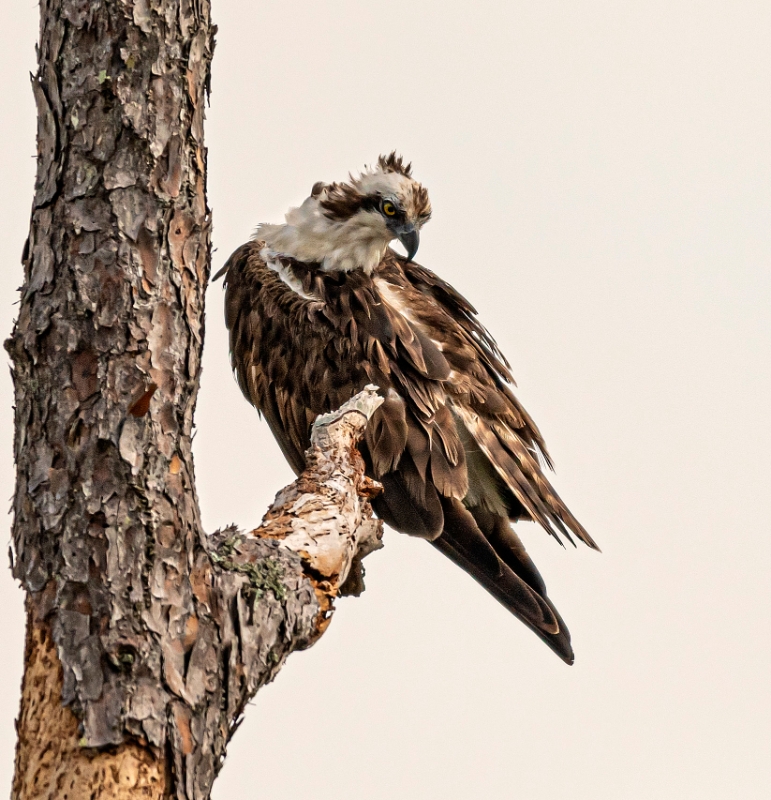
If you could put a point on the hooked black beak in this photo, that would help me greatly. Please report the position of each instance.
(411, 240)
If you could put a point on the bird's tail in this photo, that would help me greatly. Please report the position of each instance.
(484, 545)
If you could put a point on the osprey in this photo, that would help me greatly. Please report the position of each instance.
(319, 307)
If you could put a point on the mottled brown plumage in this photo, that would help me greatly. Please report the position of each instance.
(456, 452)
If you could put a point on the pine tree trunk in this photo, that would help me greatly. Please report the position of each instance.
(145, 637)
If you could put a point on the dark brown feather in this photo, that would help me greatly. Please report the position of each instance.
(395, 163)
(386, 434)
(398, 507)
(342, 201)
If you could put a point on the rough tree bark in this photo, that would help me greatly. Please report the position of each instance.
(145, 637)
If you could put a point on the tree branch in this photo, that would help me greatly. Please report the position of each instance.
(271, 591)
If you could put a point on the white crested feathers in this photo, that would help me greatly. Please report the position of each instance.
(310, 236)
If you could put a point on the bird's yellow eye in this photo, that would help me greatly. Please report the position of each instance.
(389, 209)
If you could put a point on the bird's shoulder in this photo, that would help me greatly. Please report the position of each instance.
(480, 378)
(254, 275)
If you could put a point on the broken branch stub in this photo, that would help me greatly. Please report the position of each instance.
(272, 590)
(325, 515)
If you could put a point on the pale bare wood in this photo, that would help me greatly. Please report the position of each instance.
(50, 761)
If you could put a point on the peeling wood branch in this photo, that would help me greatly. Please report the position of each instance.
(271, 591)
(324, 516)
(282, 578)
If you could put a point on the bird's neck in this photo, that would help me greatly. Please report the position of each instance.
(338, 246)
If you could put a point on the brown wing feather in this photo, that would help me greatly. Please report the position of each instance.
(386, 435)
(250, 306)
(482, 399)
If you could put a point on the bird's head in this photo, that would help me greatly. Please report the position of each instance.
(384, 203)
(348, 226)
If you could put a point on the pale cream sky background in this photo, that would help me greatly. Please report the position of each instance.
(600, 174)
